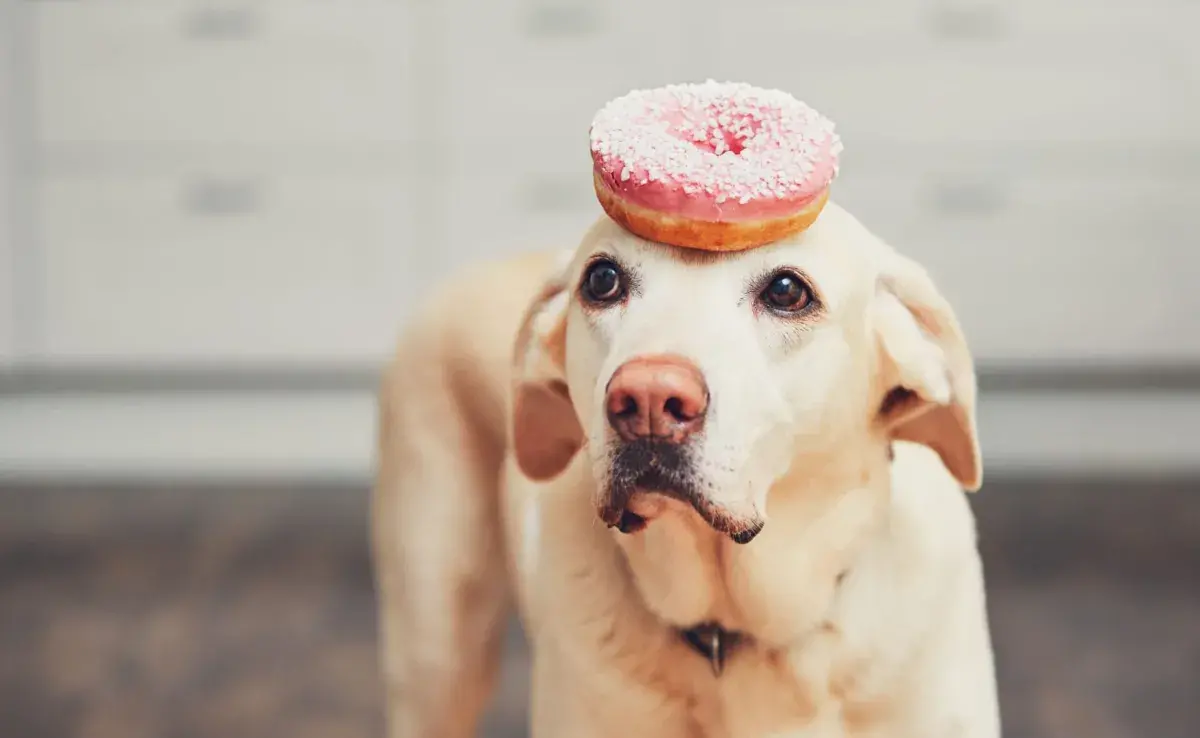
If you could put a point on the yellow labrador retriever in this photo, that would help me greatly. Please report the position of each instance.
(725, 492)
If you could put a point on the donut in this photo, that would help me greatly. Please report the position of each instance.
(713, 166)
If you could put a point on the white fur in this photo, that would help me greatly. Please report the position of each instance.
(863, 592)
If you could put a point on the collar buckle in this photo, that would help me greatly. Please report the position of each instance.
(711, 641)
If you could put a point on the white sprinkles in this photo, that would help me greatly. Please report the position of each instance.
(728, 141)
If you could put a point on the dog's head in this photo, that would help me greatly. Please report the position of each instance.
(705, 377)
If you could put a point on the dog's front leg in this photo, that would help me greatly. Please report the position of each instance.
(959, 699)
(439, 564)
(949, 688)
(573, 702)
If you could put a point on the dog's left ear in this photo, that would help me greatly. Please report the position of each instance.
(929, 390)
(546, 433)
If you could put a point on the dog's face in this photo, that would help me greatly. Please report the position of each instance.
(706, 377)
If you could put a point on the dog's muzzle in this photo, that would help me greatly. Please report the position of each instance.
(647, 466)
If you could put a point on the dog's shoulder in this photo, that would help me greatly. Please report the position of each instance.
(454, 353)
(928, 536)
(929, 509)
(913, 577)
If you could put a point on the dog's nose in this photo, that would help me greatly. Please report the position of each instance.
(661, 397)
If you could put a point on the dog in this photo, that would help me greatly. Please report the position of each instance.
(724, 491)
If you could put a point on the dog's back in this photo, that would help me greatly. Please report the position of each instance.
(438, 541)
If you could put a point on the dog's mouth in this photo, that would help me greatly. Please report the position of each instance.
(642, 469)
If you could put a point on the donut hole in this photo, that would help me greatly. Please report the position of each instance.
(718, 132)
(720, 142)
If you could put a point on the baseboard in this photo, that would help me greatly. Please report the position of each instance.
(302, 437)
(328, 436)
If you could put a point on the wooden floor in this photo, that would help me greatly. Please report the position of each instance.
(192, 612)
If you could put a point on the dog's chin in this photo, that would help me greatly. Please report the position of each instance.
(630, 517)
(645, 478)
(643, 504)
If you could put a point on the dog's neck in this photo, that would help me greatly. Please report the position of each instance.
(777, 588)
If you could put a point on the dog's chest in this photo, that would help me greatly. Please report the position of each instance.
(769, 692)
(774, 589)
(790, 677)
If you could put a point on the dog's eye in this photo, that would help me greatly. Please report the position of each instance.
(603, 282)
(787, 292)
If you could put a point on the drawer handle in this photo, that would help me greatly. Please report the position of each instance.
(553, 195)
(978, 23)
(221, 24)
(969, 199)
(561, 21)
(218, 198)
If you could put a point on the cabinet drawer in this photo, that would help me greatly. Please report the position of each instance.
(7, 313)
(1051, 269)
(532, 68)
(993, 94)
(1186, 52)
(8, 233)
(270, 72)
(499, 202)
(223, 268)
(968, 70)
(906, 23)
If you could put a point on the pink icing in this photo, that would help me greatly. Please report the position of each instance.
(715, 151)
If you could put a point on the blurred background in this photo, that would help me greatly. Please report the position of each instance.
(216, 214)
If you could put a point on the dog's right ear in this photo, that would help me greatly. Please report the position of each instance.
(546, 431)
(930, 374)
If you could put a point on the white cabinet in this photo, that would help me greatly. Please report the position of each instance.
(235, 266)
(7, 228)
(505, 201)
(518, 70)
(1185, 51)
(8, 306)
(222, 181)
(269, 73)
(990, 73)
(1040, 157)
(913, 23)
(1067, 269)
(521, 80)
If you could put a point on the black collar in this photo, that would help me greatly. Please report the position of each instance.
(713, 642)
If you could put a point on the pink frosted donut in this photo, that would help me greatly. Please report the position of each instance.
(714, 166)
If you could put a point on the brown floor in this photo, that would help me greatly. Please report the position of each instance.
(217, 612)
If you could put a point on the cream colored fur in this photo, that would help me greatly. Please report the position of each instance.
(863, 592)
